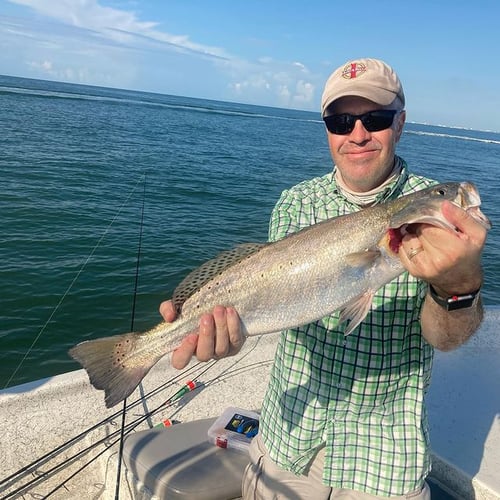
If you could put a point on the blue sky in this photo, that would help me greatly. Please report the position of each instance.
(267, 52)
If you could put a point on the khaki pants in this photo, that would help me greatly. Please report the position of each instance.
(264, 480)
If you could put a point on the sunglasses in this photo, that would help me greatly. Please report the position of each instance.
(373, 121)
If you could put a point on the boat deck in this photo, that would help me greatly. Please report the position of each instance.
(35, 418)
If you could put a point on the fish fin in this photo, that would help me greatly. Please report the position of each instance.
(356, 311)
(362, 259)
(114, 364)
(197, 278)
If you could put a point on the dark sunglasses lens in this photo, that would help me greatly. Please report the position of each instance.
(339, 124)
(373, 121)
(378, 120)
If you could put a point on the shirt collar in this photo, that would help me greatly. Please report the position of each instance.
(388, 191)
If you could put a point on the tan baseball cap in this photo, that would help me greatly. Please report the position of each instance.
(369, 78)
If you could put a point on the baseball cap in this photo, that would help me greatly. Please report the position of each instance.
(369, 78)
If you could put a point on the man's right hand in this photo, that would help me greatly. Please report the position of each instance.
(219, 335)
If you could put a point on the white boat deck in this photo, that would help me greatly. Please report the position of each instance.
(464, 413)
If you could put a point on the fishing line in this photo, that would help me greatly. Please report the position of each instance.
(134, 302)
(32, 468)
(56, 468)
(42, 476)
(130, 428)
(71, 285)
(192, 372)
(124, 429)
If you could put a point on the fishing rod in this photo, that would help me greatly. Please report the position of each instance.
(170, 401)
(132, 325)
(130, 428)
(124, 430)
(33, 466)
(43, 476)
(70, 286)
(193, 372)
(65, 294)
(37, 463)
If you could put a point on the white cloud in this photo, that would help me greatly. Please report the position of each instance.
(284, 93)
(44, 65)
(85, 42)
(86, 13)
(115, 25)
(277, 84)
(304, 93)
(300, 66)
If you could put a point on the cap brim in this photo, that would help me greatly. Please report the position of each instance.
(379, 96)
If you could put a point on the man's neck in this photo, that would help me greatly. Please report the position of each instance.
(365, 199)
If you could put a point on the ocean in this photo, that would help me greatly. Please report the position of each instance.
(100, 185)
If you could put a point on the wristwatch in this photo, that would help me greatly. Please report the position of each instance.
(454, 302)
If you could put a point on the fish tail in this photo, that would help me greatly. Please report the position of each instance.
(115, 364)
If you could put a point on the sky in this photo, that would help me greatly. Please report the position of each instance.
(266, 52)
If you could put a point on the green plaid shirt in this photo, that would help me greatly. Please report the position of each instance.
(361, 395)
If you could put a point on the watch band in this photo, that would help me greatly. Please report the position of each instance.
(454, 302)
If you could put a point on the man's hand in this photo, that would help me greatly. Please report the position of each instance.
(450, 261)
(219, 335)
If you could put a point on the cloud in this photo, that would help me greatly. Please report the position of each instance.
(85, 42)
(44, 65)
(111, 24)
(275, 83)
(304, 93)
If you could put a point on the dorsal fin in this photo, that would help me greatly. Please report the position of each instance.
(201, 275)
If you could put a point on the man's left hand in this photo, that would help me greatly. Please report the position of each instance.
(449, 260)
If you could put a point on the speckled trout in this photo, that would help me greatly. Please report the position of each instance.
(335, 265)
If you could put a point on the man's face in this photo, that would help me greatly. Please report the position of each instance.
(365, 159)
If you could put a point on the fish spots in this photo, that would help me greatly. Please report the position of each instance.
(284, 265)
(120, 352)
(212, 269)
(119, 361)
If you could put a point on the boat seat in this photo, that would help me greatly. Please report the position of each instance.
(179, 462)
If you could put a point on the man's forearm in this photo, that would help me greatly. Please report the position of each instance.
(447, 330)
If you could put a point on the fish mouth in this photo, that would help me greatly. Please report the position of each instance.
(395, 237)
(478, 216)
(468, 199)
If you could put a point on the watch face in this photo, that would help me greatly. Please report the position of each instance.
(460, 301)
(454, 302)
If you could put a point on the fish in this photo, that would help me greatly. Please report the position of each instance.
(334, 265)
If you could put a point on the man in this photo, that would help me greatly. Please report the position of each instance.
(343, 417)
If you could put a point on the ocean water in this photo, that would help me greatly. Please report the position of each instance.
(90, 173)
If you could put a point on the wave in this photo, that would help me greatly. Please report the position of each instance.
(51, 94)
(217, 108)
(453, 136)
(457, 127)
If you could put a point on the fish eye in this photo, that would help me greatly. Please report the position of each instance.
(441, 192)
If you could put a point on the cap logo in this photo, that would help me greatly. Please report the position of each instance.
(353, 70)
